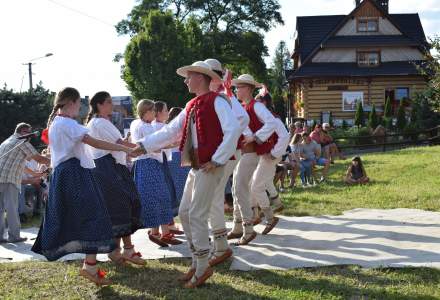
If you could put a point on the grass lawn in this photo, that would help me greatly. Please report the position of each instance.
(408, 178)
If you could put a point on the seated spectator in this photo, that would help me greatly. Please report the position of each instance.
(356, 172)
(27, 197)
(298, 128)
(282, 169)
(331, 150)
(311, 153)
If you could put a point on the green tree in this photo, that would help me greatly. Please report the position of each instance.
(401, 117)
(33, 108)
(373, 120)
(277, 78)
(387, 110)
(359, 117)
(229, 30)
(154, 54)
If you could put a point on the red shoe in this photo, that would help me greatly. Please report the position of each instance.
(176, 231)
(169, 239)
(98, 278)
(156, 239)
(188, 275)
(199, 281)
(215, 260)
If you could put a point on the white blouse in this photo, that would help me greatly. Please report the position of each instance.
(139, 131)
(168, 152)
(65, 136)
(283, 139)
(173, 132)
(103, 129)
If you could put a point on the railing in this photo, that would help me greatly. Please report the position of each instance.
(390, 141)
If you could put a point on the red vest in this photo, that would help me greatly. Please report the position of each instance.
(255, 125)
(209, 130)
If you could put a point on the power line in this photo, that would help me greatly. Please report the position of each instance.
(81, 13)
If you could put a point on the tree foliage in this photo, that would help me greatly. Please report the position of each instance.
(168, 34)
(359, 118)
(373, 120)
(388, 113)
(32, 108)
(278, 82)
(401, 117)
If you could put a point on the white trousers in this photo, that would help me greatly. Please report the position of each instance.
(195, 207)
(217, 214)
(262, 179)
(241, 187)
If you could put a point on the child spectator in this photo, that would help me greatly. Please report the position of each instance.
(356, 172)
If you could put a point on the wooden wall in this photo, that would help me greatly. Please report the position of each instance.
(317, 98)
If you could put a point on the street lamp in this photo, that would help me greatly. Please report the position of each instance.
(29, 64)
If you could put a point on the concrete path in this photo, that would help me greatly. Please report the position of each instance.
(365, 237)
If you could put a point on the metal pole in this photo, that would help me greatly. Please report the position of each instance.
(30, 77)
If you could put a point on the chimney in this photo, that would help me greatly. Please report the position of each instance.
(357, 2)
(384, 4)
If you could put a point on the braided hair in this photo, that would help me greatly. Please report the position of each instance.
(63, 97)
(98, 98)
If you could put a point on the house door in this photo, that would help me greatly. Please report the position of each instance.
(394, 104)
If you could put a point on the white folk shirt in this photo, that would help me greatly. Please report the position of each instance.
(103, 129)
(168, 152)
(268, 120)
(240, 113)
(173, 131)
(65, 136)
(139, 131)
(283, 140)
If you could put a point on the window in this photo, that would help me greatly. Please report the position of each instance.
(367, 25)
(368, 59)
(402, 93)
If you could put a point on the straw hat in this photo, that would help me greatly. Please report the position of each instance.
(246, 79)
(214, 64)
(199, 67)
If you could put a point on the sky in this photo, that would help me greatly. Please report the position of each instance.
(83, 40)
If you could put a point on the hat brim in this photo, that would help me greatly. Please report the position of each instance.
(236, 82)
(183, 71)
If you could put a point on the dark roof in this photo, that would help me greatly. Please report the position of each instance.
(352, 69)
(312, 30)
(411, 26)
(370, 40)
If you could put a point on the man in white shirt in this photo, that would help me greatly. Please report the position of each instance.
(259, 141)
(208, 132)
(221, 249)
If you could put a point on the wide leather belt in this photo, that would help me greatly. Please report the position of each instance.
(195, 162)
(249, 148)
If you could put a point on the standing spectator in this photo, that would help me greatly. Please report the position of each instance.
(13, 155)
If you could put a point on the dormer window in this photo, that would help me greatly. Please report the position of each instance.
(367, 25)
(368, 59)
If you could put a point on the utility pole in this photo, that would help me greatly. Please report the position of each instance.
(29, 64)
(30, 77)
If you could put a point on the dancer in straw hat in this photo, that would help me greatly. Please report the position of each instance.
(221, 250)
(258, 142)
(208, 132)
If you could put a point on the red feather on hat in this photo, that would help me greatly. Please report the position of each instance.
(227, 83)
(45, 136)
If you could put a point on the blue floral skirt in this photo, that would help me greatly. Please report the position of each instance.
(154, 191)
(120, 195)
(76, 219)
(179, 175)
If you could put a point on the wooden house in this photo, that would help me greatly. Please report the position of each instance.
(367, 55)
